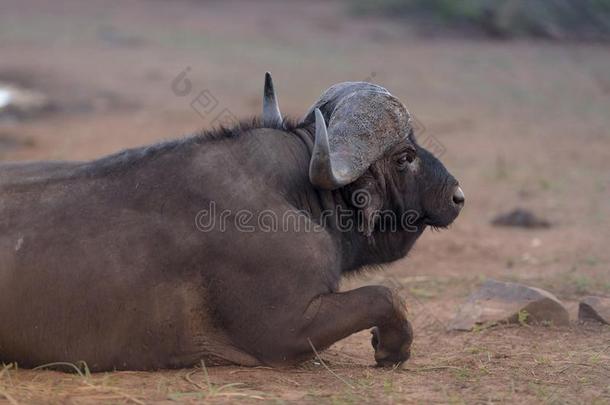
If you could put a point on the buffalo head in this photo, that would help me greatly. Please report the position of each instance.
(369, 145)
(365, 147)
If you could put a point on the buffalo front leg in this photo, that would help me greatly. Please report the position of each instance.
(332, 317)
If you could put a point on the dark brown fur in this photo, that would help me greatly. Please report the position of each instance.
(101, 261)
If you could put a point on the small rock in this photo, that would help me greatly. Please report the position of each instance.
(522, 218)
(593, 308)
(112, 36)
(502, 302)
(21, 103)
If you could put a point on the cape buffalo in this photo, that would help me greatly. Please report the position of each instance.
(227, 246)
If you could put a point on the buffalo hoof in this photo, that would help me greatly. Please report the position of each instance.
(391, 355)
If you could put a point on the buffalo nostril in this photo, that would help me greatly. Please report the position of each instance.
(458, 197)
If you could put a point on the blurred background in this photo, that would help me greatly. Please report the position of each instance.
(514, 96)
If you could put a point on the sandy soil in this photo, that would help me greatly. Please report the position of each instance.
(520, 124)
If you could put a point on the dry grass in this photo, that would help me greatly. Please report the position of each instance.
(503, 364)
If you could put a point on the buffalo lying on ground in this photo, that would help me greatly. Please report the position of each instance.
(226, 246)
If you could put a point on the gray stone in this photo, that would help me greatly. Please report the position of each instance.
(522, 218)
(21, 103)
(593, 308)
(503, 302)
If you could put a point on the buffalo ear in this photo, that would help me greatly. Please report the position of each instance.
(366, 196)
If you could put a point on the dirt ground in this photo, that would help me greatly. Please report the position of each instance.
(520, 124)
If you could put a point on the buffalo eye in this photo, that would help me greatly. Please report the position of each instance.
(406, 157)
